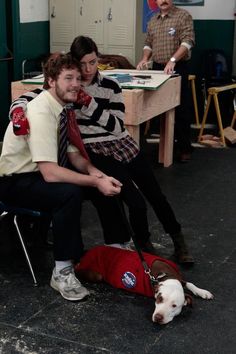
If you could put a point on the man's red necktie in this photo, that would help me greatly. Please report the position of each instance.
(74, 135)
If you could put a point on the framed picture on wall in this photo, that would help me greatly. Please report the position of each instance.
(189, 2)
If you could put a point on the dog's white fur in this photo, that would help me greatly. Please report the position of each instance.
(170, 299)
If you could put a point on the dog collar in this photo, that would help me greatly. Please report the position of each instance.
(155, 280)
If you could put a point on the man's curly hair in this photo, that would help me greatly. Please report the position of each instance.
(55, 64)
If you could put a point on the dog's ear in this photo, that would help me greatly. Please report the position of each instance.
(188, 300)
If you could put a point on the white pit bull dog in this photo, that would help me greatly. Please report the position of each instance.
(123, 269)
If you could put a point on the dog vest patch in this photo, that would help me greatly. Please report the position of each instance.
(128, 280)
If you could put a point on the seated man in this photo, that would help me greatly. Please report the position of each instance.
(34, 172)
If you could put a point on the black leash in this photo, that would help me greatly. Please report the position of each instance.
(154, 280)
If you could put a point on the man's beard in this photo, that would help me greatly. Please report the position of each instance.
(62, 94)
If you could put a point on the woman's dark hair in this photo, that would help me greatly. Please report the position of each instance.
(82, 46)
(55, 64)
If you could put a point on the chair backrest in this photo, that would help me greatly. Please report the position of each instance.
(115, 60)
(33, 66)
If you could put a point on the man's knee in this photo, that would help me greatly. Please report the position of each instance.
(66, 193)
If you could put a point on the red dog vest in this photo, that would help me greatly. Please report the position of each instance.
(121, 268)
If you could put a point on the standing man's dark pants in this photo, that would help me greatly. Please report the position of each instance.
(182, 112)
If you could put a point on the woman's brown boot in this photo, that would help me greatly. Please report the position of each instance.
(181, 254)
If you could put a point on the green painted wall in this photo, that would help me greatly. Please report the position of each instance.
(26, 41)
(30, 40)
(212, 34)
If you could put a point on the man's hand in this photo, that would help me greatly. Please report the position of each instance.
(142, 65)
(20, 122)
(94, 171)
(108, 186)
(83, 98)
(169, 68)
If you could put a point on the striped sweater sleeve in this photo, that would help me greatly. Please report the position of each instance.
(23, 100)
(106, 109)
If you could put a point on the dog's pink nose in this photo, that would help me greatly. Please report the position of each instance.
(158, 318)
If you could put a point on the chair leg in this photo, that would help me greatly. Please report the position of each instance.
(204, 117)
(195, 101)
(147, 127)
(25, 251)
(233, 119)
(218, 114)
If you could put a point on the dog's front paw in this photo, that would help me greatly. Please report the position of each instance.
(205, 294)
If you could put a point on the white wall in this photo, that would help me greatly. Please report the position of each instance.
(213, 10)
(37, 10)
(34, 10)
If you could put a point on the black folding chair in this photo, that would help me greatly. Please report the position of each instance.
(15, 212)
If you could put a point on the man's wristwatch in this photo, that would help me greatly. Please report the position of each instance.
(173, 60)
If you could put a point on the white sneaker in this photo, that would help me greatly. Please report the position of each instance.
(68, 285)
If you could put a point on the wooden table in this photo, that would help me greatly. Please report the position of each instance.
(142, 105)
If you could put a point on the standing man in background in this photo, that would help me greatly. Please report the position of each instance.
(170, 37)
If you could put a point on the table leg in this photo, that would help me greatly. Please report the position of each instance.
(167, 138)
(134, 131)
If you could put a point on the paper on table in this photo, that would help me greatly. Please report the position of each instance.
(150, 83)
